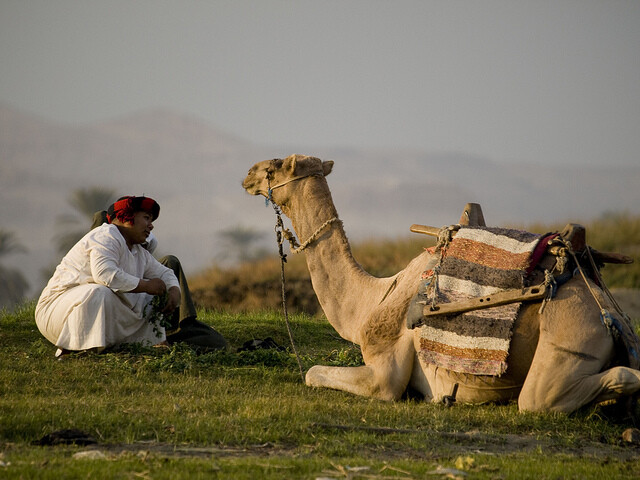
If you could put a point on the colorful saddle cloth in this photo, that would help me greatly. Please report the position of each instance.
(477, 262)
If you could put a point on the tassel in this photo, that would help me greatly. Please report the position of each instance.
(552, 288)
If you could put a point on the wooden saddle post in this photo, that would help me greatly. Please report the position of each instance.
(472, 216)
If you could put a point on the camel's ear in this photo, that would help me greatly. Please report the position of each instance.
(290, 163)
(327, 166)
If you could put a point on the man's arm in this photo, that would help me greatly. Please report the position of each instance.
(155, 270)
(173, 300)
(152, 286)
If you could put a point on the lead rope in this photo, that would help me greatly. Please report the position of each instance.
(605, 315)
(604, 287)
(567, 243)
(281, 234)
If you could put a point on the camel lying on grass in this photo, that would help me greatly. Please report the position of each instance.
(559, 360)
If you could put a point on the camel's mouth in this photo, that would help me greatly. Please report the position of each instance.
(256, 182)
(251, 186)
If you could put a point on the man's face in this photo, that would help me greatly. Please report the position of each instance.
(141, 227)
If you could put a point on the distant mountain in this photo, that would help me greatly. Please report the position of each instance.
(164, 128)
(194, 170)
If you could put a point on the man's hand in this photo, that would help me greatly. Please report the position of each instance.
(173, 300)
(153, 286)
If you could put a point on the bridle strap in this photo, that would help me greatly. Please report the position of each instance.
(293, 179)
(295, 247)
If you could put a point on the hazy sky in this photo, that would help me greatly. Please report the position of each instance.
(525, 81)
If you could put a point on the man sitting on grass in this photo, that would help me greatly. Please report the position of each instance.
(100, 294)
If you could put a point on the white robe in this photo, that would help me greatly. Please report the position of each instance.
(86, 305)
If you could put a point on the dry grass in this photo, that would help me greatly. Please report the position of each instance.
(257, 285)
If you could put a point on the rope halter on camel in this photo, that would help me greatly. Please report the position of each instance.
(286, 233)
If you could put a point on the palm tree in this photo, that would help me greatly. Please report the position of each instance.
(85, 201)
(13, 285)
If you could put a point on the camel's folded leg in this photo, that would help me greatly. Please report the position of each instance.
(567, 393)
(364, 381)
(385, 376)
(356, 380)
(569, 368)
(565, 375)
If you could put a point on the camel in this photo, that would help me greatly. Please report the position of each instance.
(559, 360)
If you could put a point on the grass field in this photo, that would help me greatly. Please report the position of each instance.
(171, 413)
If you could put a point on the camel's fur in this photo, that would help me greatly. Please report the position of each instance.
(559, 360)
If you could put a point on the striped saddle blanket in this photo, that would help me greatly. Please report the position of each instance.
(477, 262)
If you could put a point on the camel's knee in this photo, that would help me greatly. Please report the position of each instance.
(530, 403)
(559, 393)
(388, 392)
(389, 382)
(564, 395)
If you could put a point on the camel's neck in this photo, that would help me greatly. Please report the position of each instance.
(338, 280)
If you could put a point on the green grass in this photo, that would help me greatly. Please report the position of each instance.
(175, 414)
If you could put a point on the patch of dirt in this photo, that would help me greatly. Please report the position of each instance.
(180, 451)
(458, 443)
(447, 445)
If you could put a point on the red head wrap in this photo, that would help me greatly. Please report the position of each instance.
(125, 208)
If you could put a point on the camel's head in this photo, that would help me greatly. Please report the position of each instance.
(273, 174)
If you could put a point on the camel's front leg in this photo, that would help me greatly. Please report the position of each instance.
(356, 380)
(385, 376)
